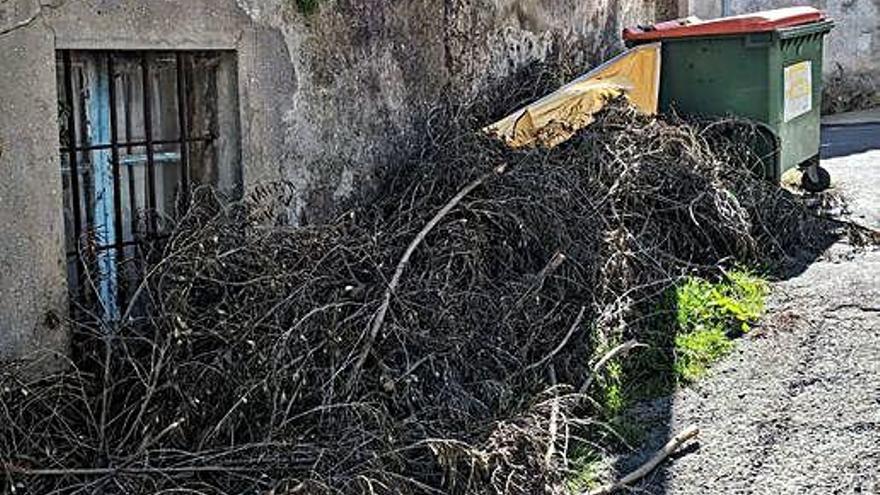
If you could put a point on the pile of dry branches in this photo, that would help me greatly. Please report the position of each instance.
(847, 91)
(429, 339)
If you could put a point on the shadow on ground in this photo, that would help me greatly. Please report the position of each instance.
(656, 384)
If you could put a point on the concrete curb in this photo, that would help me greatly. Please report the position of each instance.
(870, 116)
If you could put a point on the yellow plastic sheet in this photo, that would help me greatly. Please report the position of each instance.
(556, 117)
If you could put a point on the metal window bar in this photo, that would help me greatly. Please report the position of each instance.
(148, 135)
(87, 193)
(124, 244)
(184, 132)
(132, 193)
(132, 144)
(72, 150)
(74, 171)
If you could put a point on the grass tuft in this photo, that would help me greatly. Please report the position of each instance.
(710, 314)
(697, 350)
(612, 394)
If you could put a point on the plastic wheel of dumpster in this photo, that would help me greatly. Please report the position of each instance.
(765, 67)
(815, 178)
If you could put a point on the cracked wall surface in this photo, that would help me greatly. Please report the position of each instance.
(323, 98)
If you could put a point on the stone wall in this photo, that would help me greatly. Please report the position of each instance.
(362, 74)
(324, 96)
(853, 46)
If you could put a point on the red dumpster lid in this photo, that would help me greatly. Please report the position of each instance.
(757, 22)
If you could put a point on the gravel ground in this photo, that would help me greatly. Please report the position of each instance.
(796, 408)
(858, 176)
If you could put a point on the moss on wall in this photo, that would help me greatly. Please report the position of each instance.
(307, 6)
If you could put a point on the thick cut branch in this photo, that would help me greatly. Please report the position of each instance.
(621, 349)
(401, 266)
(661, 455)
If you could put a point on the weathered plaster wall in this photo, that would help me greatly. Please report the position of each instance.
(704, 9)
(323, 97)
(364, 73)
(32, 280)
(855, 41)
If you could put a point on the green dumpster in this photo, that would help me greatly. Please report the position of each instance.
(765, 66)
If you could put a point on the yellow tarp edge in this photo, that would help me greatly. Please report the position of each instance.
(554, 118)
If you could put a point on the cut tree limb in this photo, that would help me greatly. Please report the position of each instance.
(661, 455)
(621, 349)
(401, 266)
(554, 423)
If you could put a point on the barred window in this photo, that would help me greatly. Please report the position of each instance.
(138, 130)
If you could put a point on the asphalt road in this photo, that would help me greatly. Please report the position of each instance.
(796, 408)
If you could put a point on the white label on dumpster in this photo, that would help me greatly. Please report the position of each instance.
(798, 89)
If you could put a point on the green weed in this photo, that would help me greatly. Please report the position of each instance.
(612, 395)
(697, 350)
(586, 465)
(710, 314)
(307, 6)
